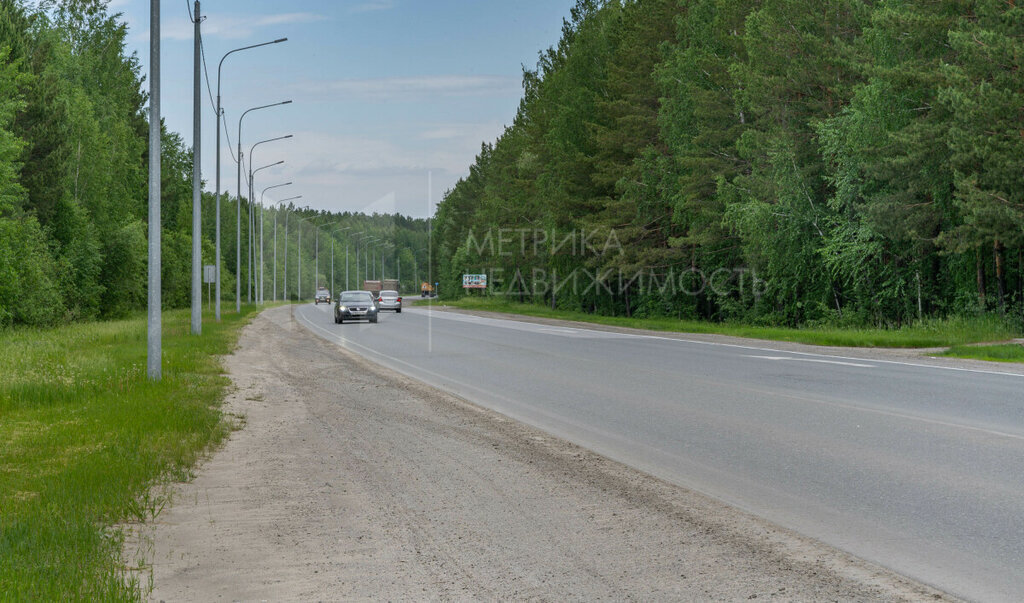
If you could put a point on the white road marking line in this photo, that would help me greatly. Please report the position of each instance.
(764, 349)
(339, 340)
(839, 362)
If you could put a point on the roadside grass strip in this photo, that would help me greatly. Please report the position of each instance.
(1009, 352)
(925, 334)
(84, 435)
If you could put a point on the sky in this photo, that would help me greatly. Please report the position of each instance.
(387, 94)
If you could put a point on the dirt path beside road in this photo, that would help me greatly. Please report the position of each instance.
(349, 481)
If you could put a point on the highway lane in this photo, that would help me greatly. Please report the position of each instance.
(918, 468)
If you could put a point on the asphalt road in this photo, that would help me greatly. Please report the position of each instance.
(917, 467)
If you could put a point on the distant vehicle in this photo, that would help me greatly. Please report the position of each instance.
(389, 300)
(322, 295)
(373, 287)
(390, 284)
(355, 305)
(427, 290)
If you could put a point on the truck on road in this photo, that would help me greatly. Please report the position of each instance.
(374, 287)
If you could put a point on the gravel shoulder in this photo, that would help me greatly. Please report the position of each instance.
(349, 481)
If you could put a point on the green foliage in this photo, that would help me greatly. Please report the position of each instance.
(86, 435)
(1011, 352)
(73, 182)
(858, 160)
(931, 333)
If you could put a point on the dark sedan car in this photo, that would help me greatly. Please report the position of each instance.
(355, 305)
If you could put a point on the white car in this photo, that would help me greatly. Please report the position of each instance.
(389, 300)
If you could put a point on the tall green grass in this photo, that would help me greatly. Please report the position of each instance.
(926, 334)
(1010, 352)
(84, 435)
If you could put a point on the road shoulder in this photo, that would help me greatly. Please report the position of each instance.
(350, 481)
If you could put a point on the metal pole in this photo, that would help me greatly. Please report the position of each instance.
(238, 236)
(298, 287)
(275, 255)
(216, 307)
(284, 293)
(249, 240)
(316, 261)
(248, 228)
(261, 253)
(153, 328)
(197, 200)
(238, 242)
(332, 265)
(347, 286)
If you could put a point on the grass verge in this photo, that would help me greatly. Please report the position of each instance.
(928, 334)
(1010, 352)
(84, 435)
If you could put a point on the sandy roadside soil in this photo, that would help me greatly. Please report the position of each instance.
(349, 482)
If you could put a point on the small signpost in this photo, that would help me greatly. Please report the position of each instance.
(474, 281)
(209, 277)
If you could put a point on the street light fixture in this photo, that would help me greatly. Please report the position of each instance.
(280, 203)
(220, 115)
(359, 235)
(259, 295)
(252, 229)
(332, 257)
(252, 252)
(238, 238)
(298, 287)
(316, 270)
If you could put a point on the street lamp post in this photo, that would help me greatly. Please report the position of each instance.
(220, 115)
(358, 236)
(316, 270)
(281, 203)
(370, 259)
(332, 256)
(238, 242)
(252, 173)
(259, 296)
(298, 286)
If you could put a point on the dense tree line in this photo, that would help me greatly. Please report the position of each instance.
(73, 179)
(781, 161)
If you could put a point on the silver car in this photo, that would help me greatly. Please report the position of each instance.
(390, 300)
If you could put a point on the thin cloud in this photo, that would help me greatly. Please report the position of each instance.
(236, 27)
(411, 88)
(373, 5)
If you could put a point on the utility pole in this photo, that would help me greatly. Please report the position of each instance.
(285, 284)
(197, 199)
(238, 238)
(261, 253)
(153, 327)
(347, 287)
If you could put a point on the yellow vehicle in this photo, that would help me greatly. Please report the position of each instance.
(427, 290)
